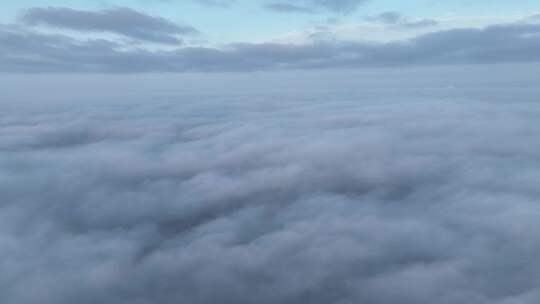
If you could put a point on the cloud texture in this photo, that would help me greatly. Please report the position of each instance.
(425, 196)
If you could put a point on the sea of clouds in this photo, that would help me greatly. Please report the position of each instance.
(416, 194)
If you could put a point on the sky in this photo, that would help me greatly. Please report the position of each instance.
(250, 21)
(235, 35)
(276, 151)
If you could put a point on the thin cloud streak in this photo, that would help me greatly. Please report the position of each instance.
(399, 20)
(314, 6)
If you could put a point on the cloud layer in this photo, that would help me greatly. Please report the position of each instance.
(22, 50)
(423, 196)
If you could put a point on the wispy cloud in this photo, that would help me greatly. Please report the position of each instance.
(312, 6)
(219, 3)
(288, 8)
(123, 21)
(398, 19)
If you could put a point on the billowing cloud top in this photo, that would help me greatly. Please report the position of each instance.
(405, 170)
(371, 191)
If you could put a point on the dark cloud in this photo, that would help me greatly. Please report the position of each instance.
(397, 19)
(303, 6)
(331, 195)
(122, 20)
(26, 51)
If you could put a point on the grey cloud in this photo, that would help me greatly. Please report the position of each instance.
(121, 20)
(334, 6)
(364, 194)
(421, 23)
(388, 17)
(397, 19)
(288, 8)
(26, 51)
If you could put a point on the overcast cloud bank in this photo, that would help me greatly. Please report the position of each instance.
(273, 198)
(24, 49)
